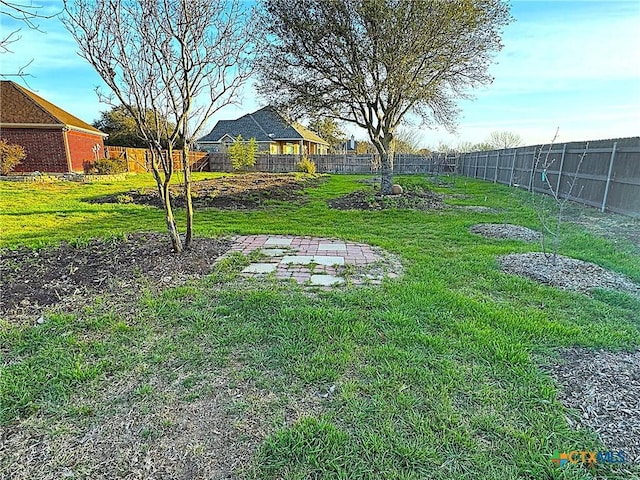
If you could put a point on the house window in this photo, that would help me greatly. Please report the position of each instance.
(273, 149)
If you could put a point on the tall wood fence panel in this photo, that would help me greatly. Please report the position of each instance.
(363, 164)
(139, 159)
(607, 177)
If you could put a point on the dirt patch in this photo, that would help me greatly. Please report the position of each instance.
(505, 231)
(157, 435)
(566, 273)
(232, 192)
(609, 225)
(414, 199)
(604, 388)
(32, 279)
(477, 209)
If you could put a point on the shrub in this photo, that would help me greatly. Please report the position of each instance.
(243, 154)
(10, 156)
(110, 166)
(307, 166)
(89, 167)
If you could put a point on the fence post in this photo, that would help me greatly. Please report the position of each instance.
(513, 166)
(486, 164)
(564, 150)
(475, 168)
(495, 176)
(606, 188)
(533, 167)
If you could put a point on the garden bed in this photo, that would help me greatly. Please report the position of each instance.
(603, 388)
(565, 273)
(233, 192)
(33, 279)
(505, 231)
(414, 199)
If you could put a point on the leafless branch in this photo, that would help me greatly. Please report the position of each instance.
(182, 60)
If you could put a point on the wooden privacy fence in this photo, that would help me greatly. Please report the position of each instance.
(365, 163)
(608, 177)
(139, 159)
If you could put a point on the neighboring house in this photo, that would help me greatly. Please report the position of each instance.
(350, 147)
(272, 132)
(54, 140)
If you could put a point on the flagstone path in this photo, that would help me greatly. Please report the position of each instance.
(313, 261)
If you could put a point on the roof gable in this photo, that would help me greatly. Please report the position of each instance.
(22, 106)
(265, 125)
(274, 125)
(309, 135)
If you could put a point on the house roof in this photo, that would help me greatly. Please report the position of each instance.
(22, 107)
(265, 125)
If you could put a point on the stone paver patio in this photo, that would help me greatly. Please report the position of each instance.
(316, 261)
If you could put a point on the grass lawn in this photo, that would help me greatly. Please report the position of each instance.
(438, 374)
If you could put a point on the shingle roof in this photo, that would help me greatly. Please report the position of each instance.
(21, 106)
(264, 125)
(309, 135)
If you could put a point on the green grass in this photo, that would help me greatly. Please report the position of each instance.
(437, 373)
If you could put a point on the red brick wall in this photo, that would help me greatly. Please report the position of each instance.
(81, 148)
(44, 148)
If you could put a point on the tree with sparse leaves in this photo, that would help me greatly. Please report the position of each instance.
(405, 141)
(329, 130)
(372, 62)
(502, 140)
(182, 60)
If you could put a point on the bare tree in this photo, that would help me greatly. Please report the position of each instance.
(551, 214)
(182, 59)
(501, 140)
(405, 140)
(329, 130)
(25, 13)
(372, 62)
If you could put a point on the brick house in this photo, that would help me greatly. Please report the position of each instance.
(272, 132)
(53, 139)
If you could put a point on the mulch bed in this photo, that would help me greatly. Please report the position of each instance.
(417, 199)
(505, 231)
(32, 279)
(565, 273)
(477, 209)
(232, 192)
(604, 388)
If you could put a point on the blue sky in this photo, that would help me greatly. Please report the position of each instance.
(568, 64)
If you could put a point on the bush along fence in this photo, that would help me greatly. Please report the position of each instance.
(608, 177)
(366, 163)
(139, 159)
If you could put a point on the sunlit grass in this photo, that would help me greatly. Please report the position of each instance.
(437, 374)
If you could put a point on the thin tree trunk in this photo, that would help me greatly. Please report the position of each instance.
(156, 175)
(186, 168)
(174, 236)
(163, 190)
(386, 165)
(171, 222)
